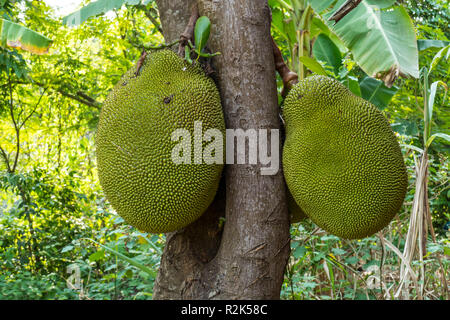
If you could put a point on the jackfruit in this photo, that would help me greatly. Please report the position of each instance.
(341, 160)
(134, 144)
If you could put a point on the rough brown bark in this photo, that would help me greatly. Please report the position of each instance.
(246, 260)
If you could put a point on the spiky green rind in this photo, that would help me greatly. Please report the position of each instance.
(134, 146)
(342, 162)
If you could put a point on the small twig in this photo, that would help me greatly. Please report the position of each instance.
(345, 9)
(188, 34)
(32, 111)
(140, 62)
(6, 159)
(289, 77)
(162, 46)
(16, 127)
(144, 54)
(80, 96)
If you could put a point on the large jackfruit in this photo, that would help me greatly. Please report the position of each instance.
(341, 160)
(134, 144)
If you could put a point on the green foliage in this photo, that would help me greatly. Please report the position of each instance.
(49, 107)
(325, 267)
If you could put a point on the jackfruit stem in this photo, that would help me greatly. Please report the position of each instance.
(140, 62)
(144, 53)
(188, 34)
(289, 77)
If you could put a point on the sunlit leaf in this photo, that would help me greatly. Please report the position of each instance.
(313, 65)
(381, 3)
(98, 255)
(411, 147)
(17, 36)
(444, 52)
(438, 135)
(423, 44)
(94, 9)
(430, 106)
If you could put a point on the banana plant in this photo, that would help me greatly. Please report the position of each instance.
(378, 35)
(17, 36)
(420, 220)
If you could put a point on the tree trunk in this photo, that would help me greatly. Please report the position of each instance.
(245, 260)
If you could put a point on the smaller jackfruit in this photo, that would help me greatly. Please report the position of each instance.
(341, 160)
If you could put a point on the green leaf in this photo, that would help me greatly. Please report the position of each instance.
(67, 248)
(93, 9)
(411, 147)
(201, 33)
(445, 52)
(381, 40)
(447, 251)
(320, 5)
(299, 252)
(430, 106)
(325, 50)
(423, 44)
(405, 127)
(438, 135)
(131, 261)
(376, 92)
(313, 65)
(338, 251)
(353, 85)
(281, 3)
(285, 28)
(17, 36)
(352, 260)
(98, 255)
(187, 54)
(381, 3)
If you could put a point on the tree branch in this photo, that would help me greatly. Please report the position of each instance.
(16, 128)
(32, 111)
(79, 96)
(6, 159)
(148, 14)
(188, 34)
(345, 9)
(289, 77)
